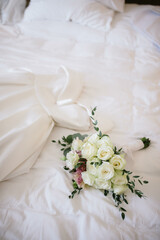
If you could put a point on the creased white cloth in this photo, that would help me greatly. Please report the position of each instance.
(30, 106)
(132, 147)
(147, 21)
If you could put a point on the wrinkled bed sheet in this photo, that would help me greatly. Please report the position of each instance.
(121, 74)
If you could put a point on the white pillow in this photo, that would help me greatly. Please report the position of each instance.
(84, 12)
(117, 5)
(11, 11)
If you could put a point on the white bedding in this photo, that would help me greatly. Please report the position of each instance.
(121, 76)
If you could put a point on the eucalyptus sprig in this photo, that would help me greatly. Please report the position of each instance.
(76, 188)
(118, 199)
(66, 142)
(95, 123)
(131, 183)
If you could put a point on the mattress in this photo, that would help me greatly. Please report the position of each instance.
(120, 71)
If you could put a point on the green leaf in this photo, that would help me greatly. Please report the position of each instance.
(96, 128)
(66, 168)
(136, 176)
(73, 170)
(69, 139)
(139, 193)
(122, 209)
(130, 187)
(117, 151)
(125, 200)
(93, 110)
(146, 142)
(66, 151)
(113, 195)
(76, 189)
(105, 135)
(123, 215)
(79, 189)
(75, 186)
(106, 192)
(128, 172)
(96, 163)
(73, 193)
(145, 182)
(128, 178)
(54, 141)
(80, 136)
(117, 197)
(140, 182)
(64, 139)
(78, 165)
(100, 134)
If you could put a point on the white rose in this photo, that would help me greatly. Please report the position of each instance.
(88, 178)
(105, 152)
(119, 179)
(105, 171)
(102, 184)
(77, 144)
(86, 139)
(119, 189)
(93, 138)
(91, 167)
(72, 159)
(105, 141)
(118, 162)
(89, 150)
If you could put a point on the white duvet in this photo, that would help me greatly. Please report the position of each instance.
(121, 76)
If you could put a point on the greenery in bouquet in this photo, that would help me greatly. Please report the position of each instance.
(94, 161)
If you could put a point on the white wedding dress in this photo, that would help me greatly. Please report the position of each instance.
(30, 106)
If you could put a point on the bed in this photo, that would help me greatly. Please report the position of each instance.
(58, 60)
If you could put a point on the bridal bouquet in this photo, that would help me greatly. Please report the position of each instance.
(95, 161)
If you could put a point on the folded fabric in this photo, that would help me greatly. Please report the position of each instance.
(11, 11)
(132, 147)
(30, 107)
(116, 5)
(147, 21)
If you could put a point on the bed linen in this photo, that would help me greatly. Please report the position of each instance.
(121, 76)
(11, 12)
(149, 28)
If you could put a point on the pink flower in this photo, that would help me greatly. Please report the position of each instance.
(78, 175)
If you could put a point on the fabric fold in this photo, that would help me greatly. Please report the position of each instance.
(132, 147)
(40, 102)
(72, 87)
